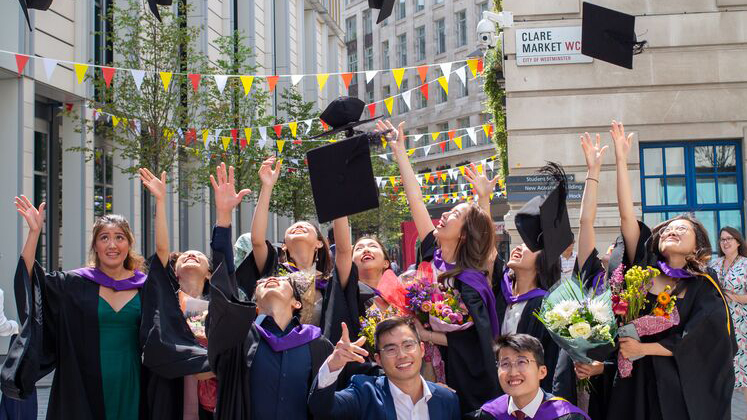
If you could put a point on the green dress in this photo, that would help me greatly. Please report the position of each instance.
(120, 359)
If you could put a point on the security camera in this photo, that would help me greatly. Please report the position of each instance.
(486, 30)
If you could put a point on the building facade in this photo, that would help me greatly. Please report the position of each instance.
(684, 100)
(287, 37)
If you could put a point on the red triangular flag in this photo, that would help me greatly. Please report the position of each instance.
(297, 141)
(191, 136)
(442, 145)
(69, 107)
(108, 73)
(423, 72)
(243, 143)
(21, 61)
(324, 124)
(451, 134)
(396, 188)
(372, 109)
(195, 78)
(272, 81)
(347, 78)
(234, 134)
(424, 91)
(479, 66)
(278, 129)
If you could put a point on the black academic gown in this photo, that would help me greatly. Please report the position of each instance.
(170, 349)
(61, 333)
(233, 340)
(469, 358)
(697, 382)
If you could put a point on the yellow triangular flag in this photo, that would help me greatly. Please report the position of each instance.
(80, 71)
(428, 177)
(293, 126)
(205, 135)
(472, 64)
(248, 134)
(392, 180)
(434, 136)
(280, 144)
(383, 142)
(454, 195)
(115, 121)
(398, 75)
(166, 79)
(458, 141)
(444, 84)
(444, 175)
(226, 142)
(322, 80)
(247, 81)
(332, 140)
(389, 102)
(492, 195)
(427, 198)
(461, 169)
(168, 134)
(410, 152)
(479, 168)
(486, 129)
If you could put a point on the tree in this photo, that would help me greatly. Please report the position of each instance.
(496, 94)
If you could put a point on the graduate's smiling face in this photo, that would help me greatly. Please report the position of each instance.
(303, 234)
(678, 237)
(368, 254)
(112, 246)
(518, 372)
(522, 258)
(271, 290)
(449, 227)
(192, 262)
(400, 353)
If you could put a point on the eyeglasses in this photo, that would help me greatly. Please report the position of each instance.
(679, 230)
(392, 350)
(725, 240)
(521, 364)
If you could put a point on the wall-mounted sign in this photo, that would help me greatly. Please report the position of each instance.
(522, 188)
(540, 46)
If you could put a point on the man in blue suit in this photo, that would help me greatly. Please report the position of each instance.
(402, 394)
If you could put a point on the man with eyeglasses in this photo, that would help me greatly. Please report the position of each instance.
(401, 394)
(521, 367)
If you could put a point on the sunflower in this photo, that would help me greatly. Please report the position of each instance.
(659, 312)
(664, 298)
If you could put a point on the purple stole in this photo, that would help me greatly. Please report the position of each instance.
(298, 336)
(320, 283)
(675, 273)
(508, 294)
(550, 409)
(97, 276)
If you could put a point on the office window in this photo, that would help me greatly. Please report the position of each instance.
(420, 100)
(350, 29)
(353, 67)
(368, 60)
(703, 178)
(401, 9)
(462, 89)
(461, 28)
(482, 7)
(464, 123)
(370, 94)
(402, 50)
(385, 55)
(441, 96)
(420, 43)
(438, 1)
(367, 22)
(440, 36)
(419, 5)
(103, 188)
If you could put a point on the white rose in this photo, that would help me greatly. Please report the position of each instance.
(600, 311)
(580, 330)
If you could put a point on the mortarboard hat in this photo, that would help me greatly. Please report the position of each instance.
(609, 35)
(153, 6)
(385, 6)
(343, 114)
(543, 221)
(33, 4)
(342, 179)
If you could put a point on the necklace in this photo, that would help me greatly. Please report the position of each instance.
(723, 264)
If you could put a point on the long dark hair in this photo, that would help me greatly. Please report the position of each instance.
(742, 249)
(547, 277)
(695, 263)
(381, 245)
(476, 242)
(323, 257)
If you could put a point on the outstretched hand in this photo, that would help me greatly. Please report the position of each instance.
(34, 216)
(346, 352)
(226, 198)
(267, 174)
(395, 137)
(156, 186)
(482, 184)
(622, 143)
(593, 153)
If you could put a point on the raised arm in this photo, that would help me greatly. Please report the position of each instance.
(343, 250)
(628, 222)
(587, 238)
(35, 220)
(157, 188)
(268, 176)
(483, 186)
(396, 140)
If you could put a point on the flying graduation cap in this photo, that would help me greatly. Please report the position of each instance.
(33, 4)
(543, 221)
(343, 114)
(153, 4)
(385, 7)
(609, 35)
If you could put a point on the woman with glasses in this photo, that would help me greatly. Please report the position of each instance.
(731, 267)
(684, 372)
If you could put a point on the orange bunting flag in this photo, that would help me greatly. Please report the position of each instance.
(444, 84)
(322, 80)
(488, 129)
(423, 73)
(424, 91)
(479, 66)
(280, 144)
(278, 129)
(166, 79)
(108, 73)
(398, 75)
(294, 127)
(371, 109)
(389, 102)
(195, 79)
(458, 142)
(472, 64)
(248, 134)
(325, 126)
(451, 134)
(435, 135)
(247, 82)
(21, 61)
(80, 71)
(442, 145)
(346, 79)
(272, 81)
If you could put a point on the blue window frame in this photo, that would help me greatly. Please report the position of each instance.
(703, 178)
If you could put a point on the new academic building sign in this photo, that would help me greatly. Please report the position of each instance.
(540, 46)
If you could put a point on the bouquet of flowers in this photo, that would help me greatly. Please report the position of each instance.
(435, 304)
(629, 291)
(373, 316)
(196, 323)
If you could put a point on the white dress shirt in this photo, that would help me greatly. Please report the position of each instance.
(403, 405)
(512, 317)
(531, 409)
(566, 265)
(7, 326)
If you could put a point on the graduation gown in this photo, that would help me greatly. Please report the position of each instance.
(233, 340)
(61, 333)
(697, 381)
(469, 357)
(551, 408)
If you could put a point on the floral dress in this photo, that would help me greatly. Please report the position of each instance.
(734, 280)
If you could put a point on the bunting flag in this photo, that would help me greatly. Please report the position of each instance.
(226, 141)
(451, 134)
(416, 137)
(423, 73)
(472, 64)
(296, 78)
(398, 75)
(410, 152)
(458, 142)
(248, 135)
(262, 137)
(308, 125)
(427, 177)
(389, 102)
(280, 144)
(424, 91)
(426, 149)
(49, 66)
(406, 98)
(445, 69)
(165, 79)
(271, 82)
(80, 71)
(346, 79)
(392, 180)
(471, 134)
(488, 129)
(479, 65)
(442, 145)
(461, 169)
(372, 109)
(21, 61)
(246, 82)
(243, 143)
(322, 80)
(234, 135)
(108, 73)
(191, 136)
(195, 79)
(137, 76)
(220, 82)
(490, 164)
(462, 74)
(370, 75)
(206, 138)
(115, 121)
(444, 84)
(435, 135)
(293, 127)
(278, 129)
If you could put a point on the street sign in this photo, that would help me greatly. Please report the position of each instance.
(541, 46)
(525, 187)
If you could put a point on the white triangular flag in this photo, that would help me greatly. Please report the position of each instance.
(220, 81)
(490, 164)
(461, 72)
(137, 126)
(426, 149)
(384, 157)
(294, 161)
(263, 137)
(453, 173)
(137, 76)
(295, 78)
(370, 75)
(378, 181)
(49, 65)
(432, 199)
(446, 69)
(417, 137)
(433, 188)
(308, 125)
(406, 98)
(420, 179)
(472, 136)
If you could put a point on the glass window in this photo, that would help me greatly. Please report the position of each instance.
(440, 36)
(461, 28)
(653, 163)
(676, 192)
(368, 62)
(370, 94)
(482, 7)
(727, 189)
(385, 55)
(438, 1)
(710, 222)
(675, 157)
(401, 9)
(401, 102)
(704, 159)
(419, 5)
(420, 43)
(726, 158)
(731, 218)
(654, 191)
(367, 22)
(653, 219)
(103, 182)
(402, 50)
(350, 29)
(706, 189)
